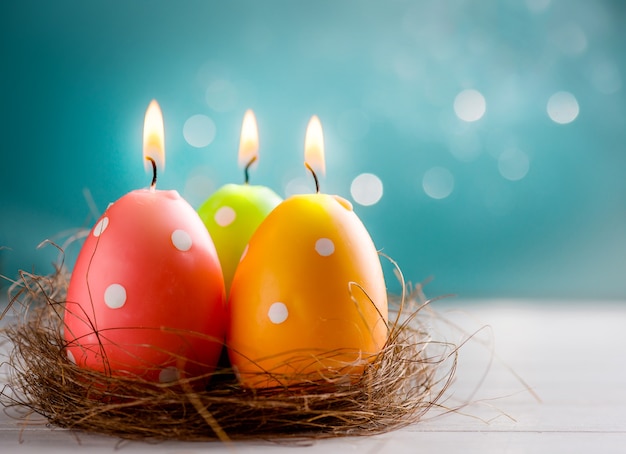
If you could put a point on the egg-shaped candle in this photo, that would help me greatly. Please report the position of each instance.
(146, 297)
(308, 301)
(233, 212)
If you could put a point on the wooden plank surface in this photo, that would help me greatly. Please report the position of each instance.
(570, 353)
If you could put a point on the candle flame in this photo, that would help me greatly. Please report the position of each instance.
(153, 137)
(314, 146)
(249, 142)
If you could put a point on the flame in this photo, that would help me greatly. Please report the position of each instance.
(314, 146)
(249, 142)
(154, 137)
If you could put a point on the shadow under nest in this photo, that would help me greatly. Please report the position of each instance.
(409, 377)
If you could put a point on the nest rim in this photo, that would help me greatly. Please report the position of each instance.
(409, 377)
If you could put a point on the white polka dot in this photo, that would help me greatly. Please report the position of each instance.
(343, 202)
(225, 216)
(324, 247)
(70, 356)
(278, 313)
(243, 254)
(101, 226)
(181, 240)
(115, 296)
(168, 375)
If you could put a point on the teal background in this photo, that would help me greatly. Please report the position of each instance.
(76, 78)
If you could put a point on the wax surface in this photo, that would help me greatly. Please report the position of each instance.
(299, 300)
(146, 296)
(231, 215)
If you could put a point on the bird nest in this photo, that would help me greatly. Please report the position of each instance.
(407, 379)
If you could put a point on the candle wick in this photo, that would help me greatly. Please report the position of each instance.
(246, 169)
(317, 183)
(154, 172)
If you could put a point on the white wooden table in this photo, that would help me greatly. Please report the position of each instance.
(572, 354)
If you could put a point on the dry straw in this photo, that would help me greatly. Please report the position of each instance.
(407, 379)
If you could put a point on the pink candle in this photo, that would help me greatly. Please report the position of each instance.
(146, 296)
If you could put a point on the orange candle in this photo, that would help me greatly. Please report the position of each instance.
(308, 299)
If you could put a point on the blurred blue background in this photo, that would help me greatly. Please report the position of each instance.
(491, 134)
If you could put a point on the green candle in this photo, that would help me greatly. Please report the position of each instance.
(234, 211)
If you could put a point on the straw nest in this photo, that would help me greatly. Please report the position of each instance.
(407, 379)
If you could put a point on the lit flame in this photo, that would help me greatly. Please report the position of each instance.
(153, 137)
(249, 142)
(314, 146)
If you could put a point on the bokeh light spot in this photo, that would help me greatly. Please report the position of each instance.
(298, 185)
(569, 39)
(221, 95)
(563, 107)
(199, 131)
(513, 164)
(465, 146)
(499, 199)
(353, 124)
(438, 183)
(198, 186)
(366, 189)
(537, 6)
(605, 77)
(470, 105)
